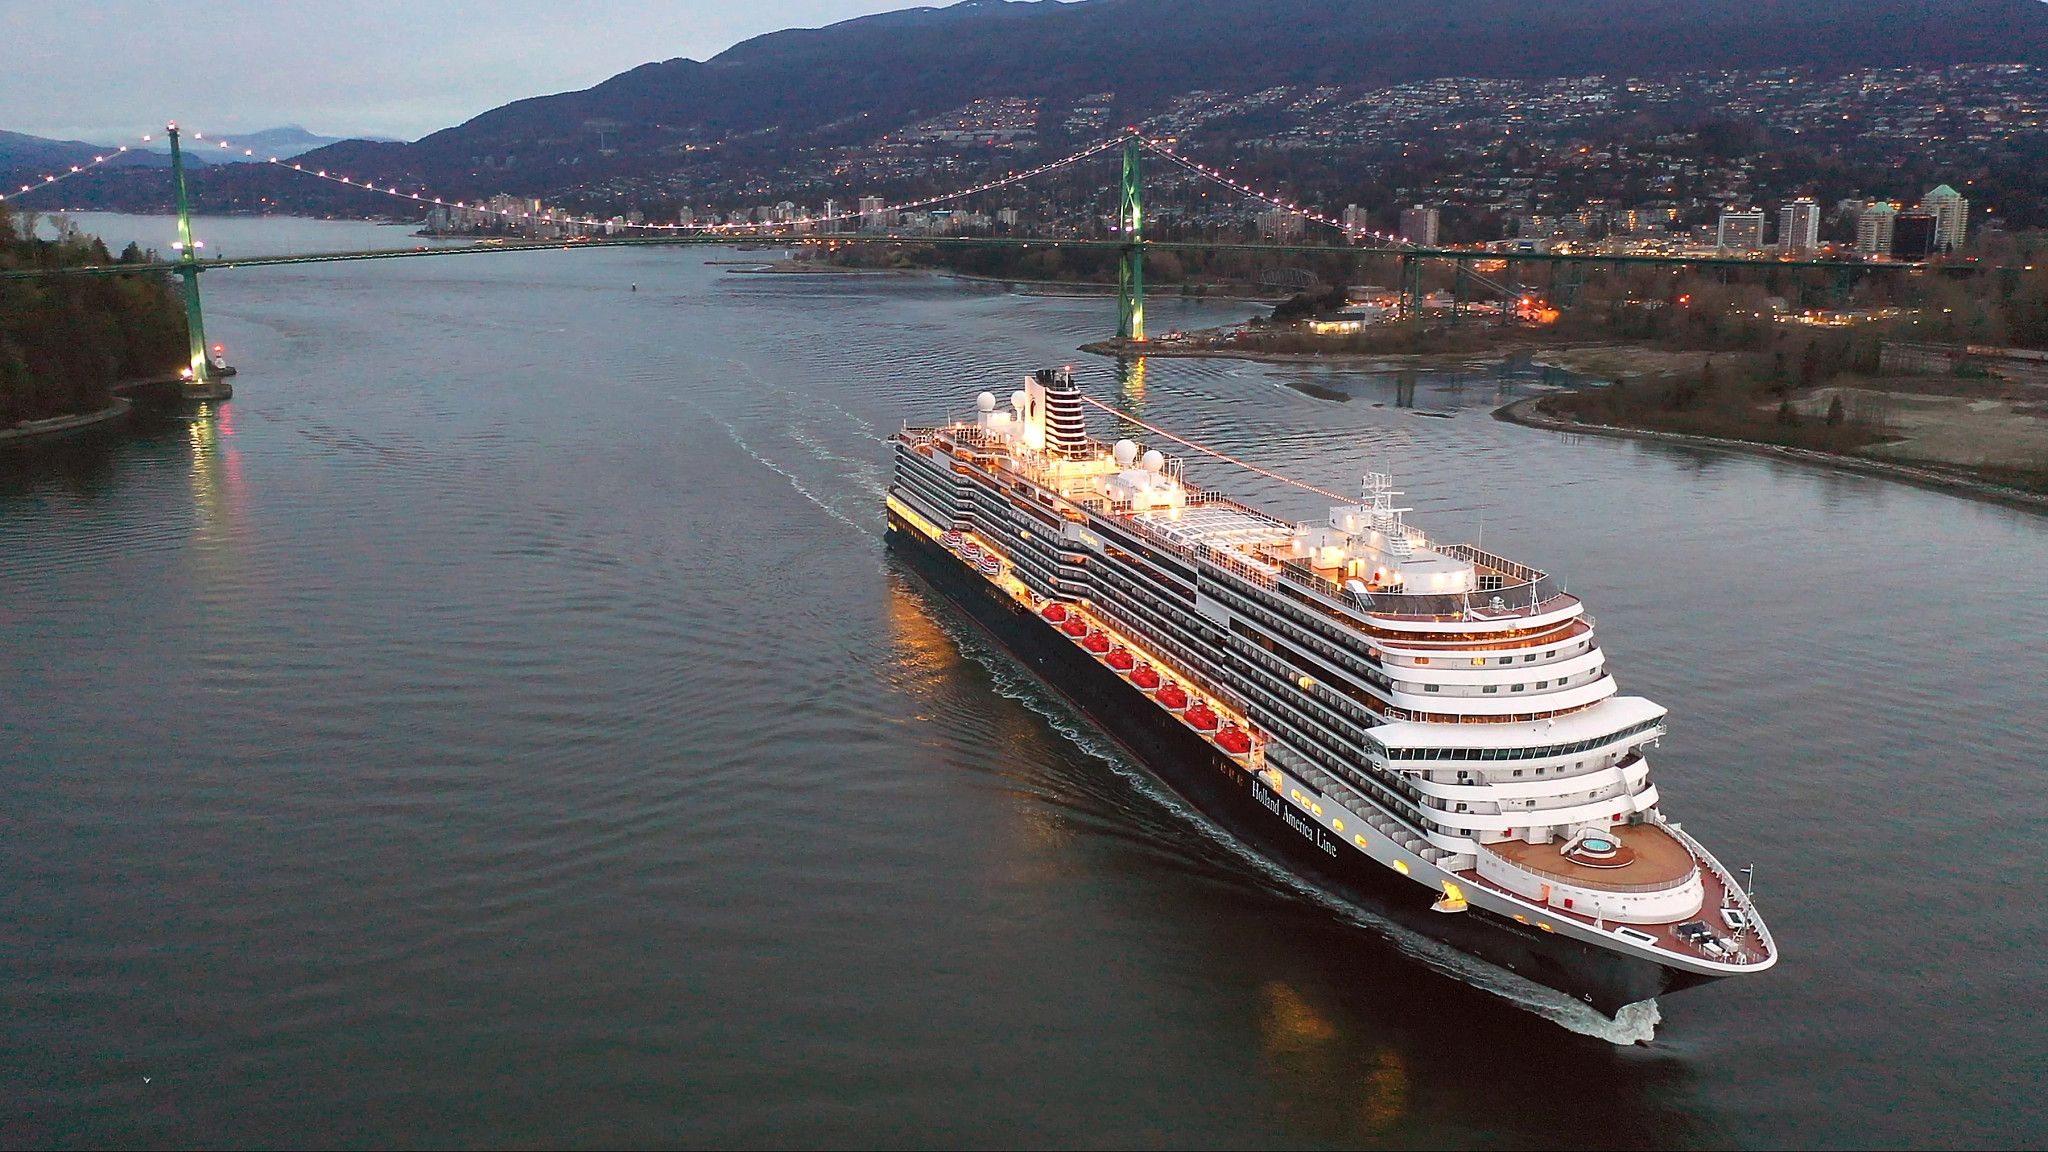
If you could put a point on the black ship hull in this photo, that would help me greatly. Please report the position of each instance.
(1230, 795)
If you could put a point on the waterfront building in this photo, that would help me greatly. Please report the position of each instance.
(1008, 217)
(1740, 231)
(1951, 217)
(1280, 224)
(1874, 228)
(1799, 226)
(1357, 219)
(1913, 235)
(1419, 225)
(828, 217)
(872, 217)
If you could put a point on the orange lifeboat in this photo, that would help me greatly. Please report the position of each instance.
(1075, 627)
(1173, 698)
(1201, 718)
(1235, 741)
(1146, 678)
(1054, 612)
(1121, 660)
(1096, 643)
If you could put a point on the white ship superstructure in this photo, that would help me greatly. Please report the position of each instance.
(1442, 712)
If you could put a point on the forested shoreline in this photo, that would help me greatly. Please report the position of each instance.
(65, 341)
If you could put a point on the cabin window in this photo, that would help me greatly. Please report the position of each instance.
(1519, 687)
(1493, 688)
(1543, 683)
(1518, 771)
(1432, 687)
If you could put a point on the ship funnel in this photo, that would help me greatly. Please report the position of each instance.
(1053, 419)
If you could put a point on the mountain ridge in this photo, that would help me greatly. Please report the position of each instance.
(893, 66)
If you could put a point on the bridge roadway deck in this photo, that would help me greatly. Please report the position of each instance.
(1455, 255)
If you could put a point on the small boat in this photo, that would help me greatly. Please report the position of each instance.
(1201, 718)
(951, 539)
(1145, 678)
(1075, 627)
(1054, 612)
(990, 566)
(1173, 698)
(971, 550)
(1121, 660)
(1097, 643)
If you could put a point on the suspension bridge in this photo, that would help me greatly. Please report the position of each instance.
(203, 377)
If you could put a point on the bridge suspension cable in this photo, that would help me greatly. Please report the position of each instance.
(1208, 451)
(735, 229)
(1397, 243)
(49, 178)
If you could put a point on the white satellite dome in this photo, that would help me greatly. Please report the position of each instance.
(1153, 461)
(985, 402)
(1017, 400)
(1125, 453)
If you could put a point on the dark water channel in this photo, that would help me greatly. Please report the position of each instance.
(501, 725)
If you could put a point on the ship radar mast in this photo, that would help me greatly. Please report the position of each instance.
(1386, 519)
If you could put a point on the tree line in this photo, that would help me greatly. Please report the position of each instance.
(65, 341)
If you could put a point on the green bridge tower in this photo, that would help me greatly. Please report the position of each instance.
(205, 381)
(1130, 269)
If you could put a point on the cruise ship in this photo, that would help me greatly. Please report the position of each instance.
(1421, 727)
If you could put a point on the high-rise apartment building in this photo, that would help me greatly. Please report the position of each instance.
(1874, 228)
(1419, 225)
(1951, 217)
(1356, 219)
(872, 216)
(1913, 235)
(1280, 224)
(1740, 231)
(1799, 226)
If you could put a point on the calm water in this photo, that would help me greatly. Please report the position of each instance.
(502, 725)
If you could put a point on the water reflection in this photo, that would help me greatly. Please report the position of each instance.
(215, 474)
(1130, 385)
(1326, 1084)
(1404, 388)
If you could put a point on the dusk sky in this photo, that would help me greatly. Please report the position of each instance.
(106, 70)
